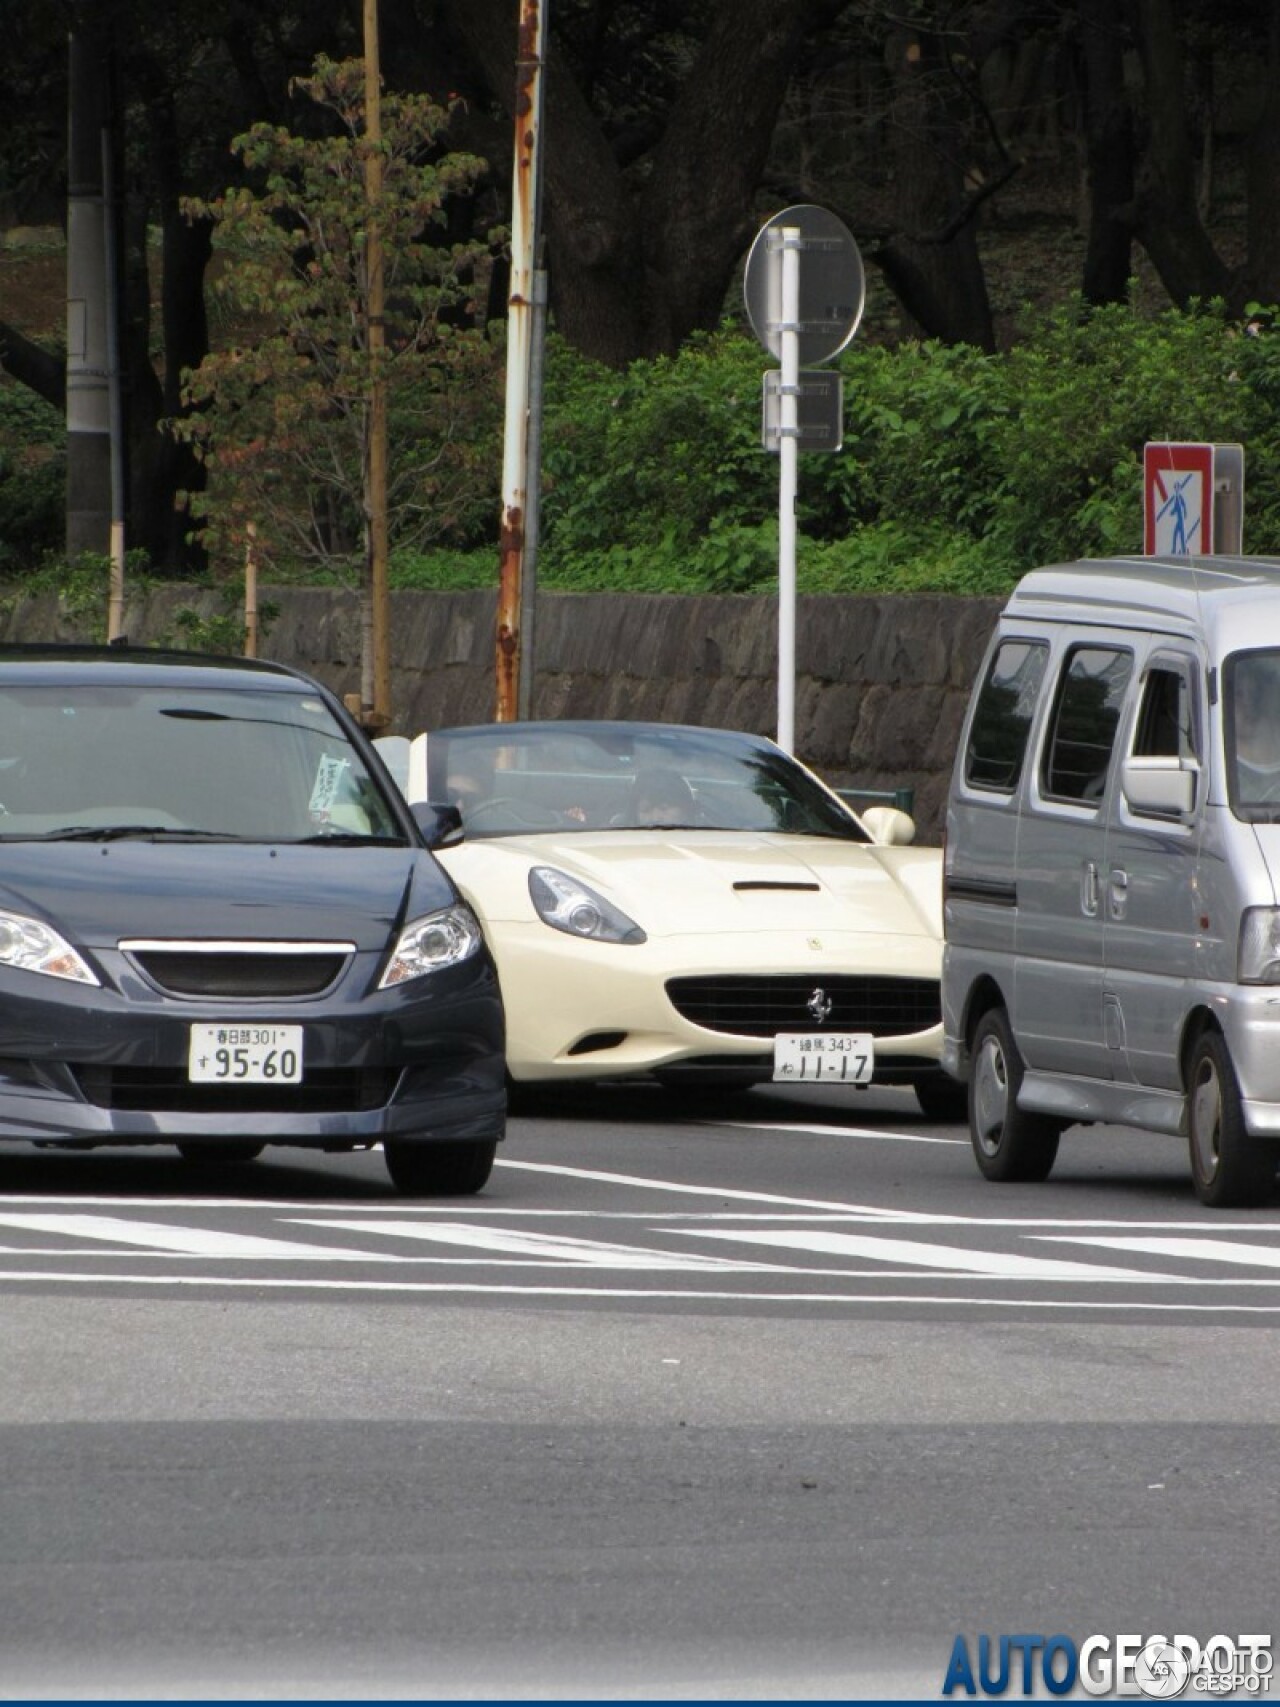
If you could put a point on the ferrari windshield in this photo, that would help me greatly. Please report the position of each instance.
(99, 761)
(514, 779)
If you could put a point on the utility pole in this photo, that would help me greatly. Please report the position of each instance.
(376, 662)
(88, 396)
(519, 495)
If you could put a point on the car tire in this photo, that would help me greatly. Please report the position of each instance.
(215, 1155)
(941, 1097)
(424, 1169)
(1230, 1169)
(1008, 1143)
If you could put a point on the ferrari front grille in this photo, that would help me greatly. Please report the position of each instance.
(761, 1006)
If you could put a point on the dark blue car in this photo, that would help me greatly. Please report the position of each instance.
(222, 928)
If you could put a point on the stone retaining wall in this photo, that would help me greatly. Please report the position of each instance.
(881, 683)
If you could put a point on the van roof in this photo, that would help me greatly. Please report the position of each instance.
(1225, 598)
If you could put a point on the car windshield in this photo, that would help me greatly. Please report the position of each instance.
(1253, 733)
(513, 780)
(89, 761)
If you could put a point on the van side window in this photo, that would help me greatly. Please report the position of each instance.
(1002, 716)
(1090, 695)
(1165, 728)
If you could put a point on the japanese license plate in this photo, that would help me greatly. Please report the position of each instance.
(847, 1057)
(245, 1055)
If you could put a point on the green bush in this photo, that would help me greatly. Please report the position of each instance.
(33, 473)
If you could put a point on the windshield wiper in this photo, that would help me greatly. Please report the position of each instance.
(126, 832)
(348, 839)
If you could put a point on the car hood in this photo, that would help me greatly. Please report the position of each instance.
(98, 893)
(677, 882)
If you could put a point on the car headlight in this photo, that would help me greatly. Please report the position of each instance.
(428, 944)
(34, 947)
(1259, 960)
(567, 905)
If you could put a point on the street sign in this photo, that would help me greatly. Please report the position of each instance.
(819, 410)
(1177, 484)
(1193, 500)
(833, 285)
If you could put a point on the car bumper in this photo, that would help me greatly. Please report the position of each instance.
(95, 1065)
(592, 1010)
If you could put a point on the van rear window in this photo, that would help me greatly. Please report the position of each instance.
(1002, 717)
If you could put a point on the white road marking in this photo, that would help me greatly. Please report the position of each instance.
(306, 1283)
(886, 1133)
(1204, 1250)
(1002, 1265)
(723, 1193)
(509, 1242)
(189, 1241)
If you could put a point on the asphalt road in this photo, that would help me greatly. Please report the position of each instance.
(766, 1399)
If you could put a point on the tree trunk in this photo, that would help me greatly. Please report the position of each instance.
(633, 271)
(1109, 155)
(932, 261)
(1262, 272)
(1168, 221)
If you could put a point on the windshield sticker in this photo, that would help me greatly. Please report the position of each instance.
(328, 785)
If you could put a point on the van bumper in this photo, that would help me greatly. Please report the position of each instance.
(1250, 1018)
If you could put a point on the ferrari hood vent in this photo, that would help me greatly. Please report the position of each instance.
(767, 883)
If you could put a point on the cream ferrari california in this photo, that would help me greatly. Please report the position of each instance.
(692, 905)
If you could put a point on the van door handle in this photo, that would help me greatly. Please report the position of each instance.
(1117, 893)
(1089, 889)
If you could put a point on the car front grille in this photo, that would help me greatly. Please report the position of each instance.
(763, 1006)
(242, 973)
(167, 1090)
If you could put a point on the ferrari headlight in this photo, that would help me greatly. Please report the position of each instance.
(428, 944)
(34, 947)
(568, 905)
(1259, 961)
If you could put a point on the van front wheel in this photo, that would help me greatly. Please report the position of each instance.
(1229, 1169)
(1008, 1143)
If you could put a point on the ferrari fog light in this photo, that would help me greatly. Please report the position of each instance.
(568, 905)
(428, 944)
(34, 947)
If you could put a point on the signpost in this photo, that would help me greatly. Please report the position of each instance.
(1193, 499)
(804, 291)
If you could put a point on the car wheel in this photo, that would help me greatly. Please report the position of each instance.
(438, 1170)
(941, 1097)
(1008, 1143)
(216, 1154)
(1229, 1168)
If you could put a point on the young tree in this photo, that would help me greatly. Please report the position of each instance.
(283, 422)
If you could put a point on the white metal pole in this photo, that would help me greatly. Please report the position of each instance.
(788, 449)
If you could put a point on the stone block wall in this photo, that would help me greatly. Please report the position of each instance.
(881, 682)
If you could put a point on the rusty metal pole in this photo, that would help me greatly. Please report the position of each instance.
(531, 42)
(376, 686)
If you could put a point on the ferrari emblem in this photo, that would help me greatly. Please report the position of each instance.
(820, 1005)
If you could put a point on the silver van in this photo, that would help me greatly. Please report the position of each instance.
(1112, 869)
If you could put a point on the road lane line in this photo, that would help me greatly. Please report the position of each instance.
(509, 1242)
(310, 1283)
(188, 1241)
(1003, 1265)
(835, 1131)
(722, 1192)
(1204, 1250)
